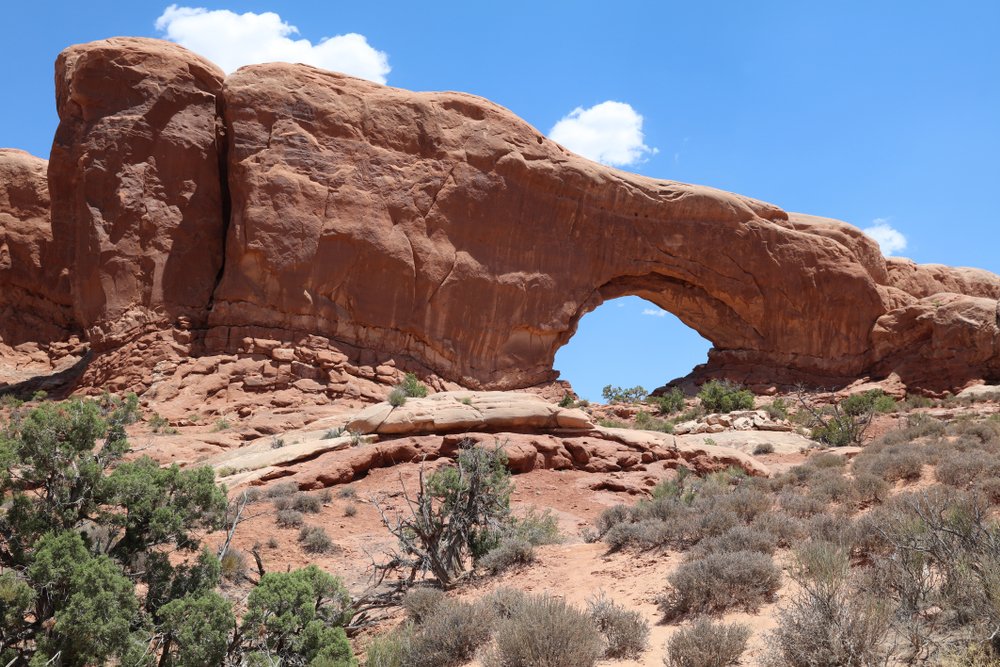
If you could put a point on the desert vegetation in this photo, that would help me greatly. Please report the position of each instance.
(102, 559)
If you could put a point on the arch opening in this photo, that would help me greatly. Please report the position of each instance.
(628, 341)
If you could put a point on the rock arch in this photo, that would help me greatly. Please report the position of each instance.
(440, 231)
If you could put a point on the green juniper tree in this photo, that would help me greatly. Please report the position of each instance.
(100, 559)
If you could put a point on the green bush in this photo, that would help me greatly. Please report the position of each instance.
(412, 387)
(646, 422)
(668, 403)
(725, 396)
(612, 394)
(707, 644)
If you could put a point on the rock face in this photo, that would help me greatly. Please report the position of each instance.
(35, 304)
(137, 188)
(440, 232)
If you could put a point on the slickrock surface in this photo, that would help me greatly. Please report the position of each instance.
(332, 229)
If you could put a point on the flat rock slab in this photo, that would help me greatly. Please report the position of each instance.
(453, 411)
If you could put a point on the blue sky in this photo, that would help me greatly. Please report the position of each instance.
(863, 111)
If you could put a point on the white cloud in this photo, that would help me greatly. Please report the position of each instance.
(655, 312)
(889, 239)
(609, 132)
(232, 40)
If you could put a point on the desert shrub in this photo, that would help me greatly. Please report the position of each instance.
(963, 468)
(510, 552)
(626, 633)
(611, 517)
(830, 486)
(506, 601)
(829, 621)
(989, 489)
(350, 510)
(725, 396)
(800, 505)
(846, 422)
(612, 394)
(233, 565)
(785, 528)
(745, 502)
(719, 582)
(545, 632)
(289, 518)
(826, 460)
(421, 601)
(450, 635)
(306, 503)
(535, 527)
(668, 403)
(832, 528)
(412, 387)
(282, 489)
(390, 649)
(913, 402)
(892, 464)
(986, 432)
(332, 433)
(646, 422)
(315, 540)
(707, 644)
(777, 409)
(567, 400)
(397, 398)
(738, 538)
(221, 424)
(763, 448)
(868, 488)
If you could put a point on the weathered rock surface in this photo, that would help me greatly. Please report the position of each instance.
(137, 190)
(35, 304)
(438, 232)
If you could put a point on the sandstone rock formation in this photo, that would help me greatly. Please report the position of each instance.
(137, 186)
(35, 304)
(377, 228)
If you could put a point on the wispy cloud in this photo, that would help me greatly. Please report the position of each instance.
(889, 239)
(609, 132)
(655, 312)
(233, 40)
